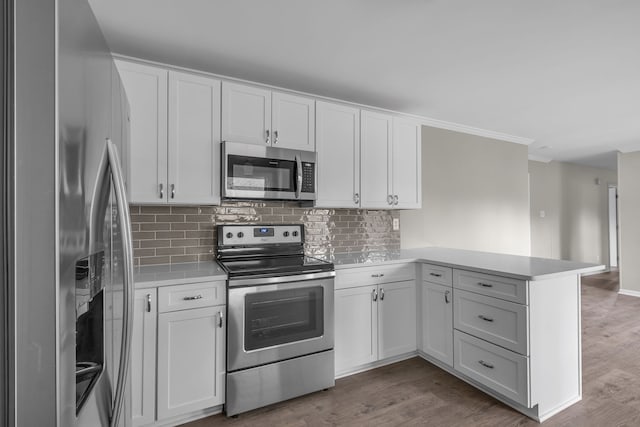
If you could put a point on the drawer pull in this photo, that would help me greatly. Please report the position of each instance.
(485, 285)
(435, 274)
(446, 296)
(192, 298)
(485, 318)
(485, 364)
(377, 275)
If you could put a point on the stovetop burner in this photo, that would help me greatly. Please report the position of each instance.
(265, 251)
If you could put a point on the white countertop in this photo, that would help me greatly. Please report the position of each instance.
(176, 274)
(516, 266)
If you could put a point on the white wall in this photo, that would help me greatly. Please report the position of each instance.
(629, 221)
(474, 195)
(576, 218)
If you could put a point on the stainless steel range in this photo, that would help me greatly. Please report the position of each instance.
(280, 316)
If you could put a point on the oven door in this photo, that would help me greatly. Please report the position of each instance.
(273, 322)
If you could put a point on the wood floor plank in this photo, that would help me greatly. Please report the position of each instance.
(416, 393)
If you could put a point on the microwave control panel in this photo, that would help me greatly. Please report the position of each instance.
(308, 177)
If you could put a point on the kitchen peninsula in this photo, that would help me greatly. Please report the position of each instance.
(509, 325)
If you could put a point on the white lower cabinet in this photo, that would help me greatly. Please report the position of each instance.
(499, 369)
(190, 360)
(143, 357)
(178, 352)
(396, 319)
(437, 322)
(356, 331)
(373, 321)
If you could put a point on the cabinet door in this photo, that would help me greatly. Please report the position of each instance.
(397, 318)
(356, 332)
(375, 158)
(143, 357)
(146, 89)
(191, 363)
(338, 151)
(194, 139)
(407, 164)
(437, 322)
(246, 114)
(293, 121)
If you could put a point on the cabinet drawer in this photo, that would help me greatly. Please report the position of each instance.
(503, 371)
(494, 286)
(500, 322)
(436, 274)
(359, 276)
(196, 295)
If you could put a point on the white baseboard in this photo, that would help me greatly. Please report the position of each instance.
(629, 292)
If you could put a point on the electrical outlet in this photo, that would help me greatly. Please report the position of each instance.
(396, 224)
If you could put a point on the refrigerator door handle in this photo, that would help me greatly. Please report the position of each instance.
(127, 252)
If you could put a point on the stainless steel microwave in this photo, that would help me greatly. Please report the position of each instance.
(267, 173)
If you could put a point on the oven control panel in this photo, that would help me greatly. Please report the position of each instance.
(260, 234)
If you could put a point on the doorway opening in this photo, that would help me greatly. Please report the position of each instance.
(613, 227)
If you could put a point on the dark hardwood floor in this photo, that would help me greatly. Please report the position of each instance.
(414, 392)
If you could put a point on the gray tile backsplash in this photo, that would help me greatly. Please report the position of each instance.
(175, 234)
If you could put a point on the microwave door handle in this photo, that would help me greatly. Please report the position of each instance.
(298, 176)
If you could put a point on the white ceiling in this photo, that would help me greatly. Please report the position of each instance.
(563, 74)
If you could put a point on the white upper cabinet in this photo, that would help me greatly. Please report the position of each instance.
(375, 149)
(194, 139)
(338, 151)
(246, 114)
(391, 162)
(407, 164)
(293, 121)
(259, 116)
(146, 89)
(174, 152)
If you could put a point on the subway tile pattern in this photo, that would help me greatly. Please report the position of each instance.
(175, 234)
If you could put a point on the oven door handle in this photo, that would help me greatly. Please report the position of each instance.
(236, 283)
(298, 176)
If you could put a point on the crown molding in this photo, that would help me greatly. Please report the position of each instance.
(476, 131)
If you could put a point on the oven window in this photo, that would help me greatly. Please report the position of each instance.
(280, 317)
(253, 173)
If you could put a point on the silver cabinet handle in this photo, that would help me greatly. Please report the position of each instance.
(485, 285)
(192, 298)
(378, 275)
(161, 191)
(435, 274)
(390, 199)
(374, 295)
(485, 364)
(148, 303)
(268, 141)
(220, 317)
(173, 191)
(446, 296)
(356, 198)
(275, 136)
(381, 294)
(395, 199)
(485, 318)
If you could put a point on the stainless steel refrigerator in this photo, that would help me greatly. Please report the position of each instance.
(67, 234)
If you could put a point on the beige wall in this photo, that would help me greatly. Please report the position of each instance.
(575, 222)
(629, 221)
(474, 195)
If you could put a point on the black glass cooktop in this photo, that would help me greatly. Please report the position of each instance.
(274, 266)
